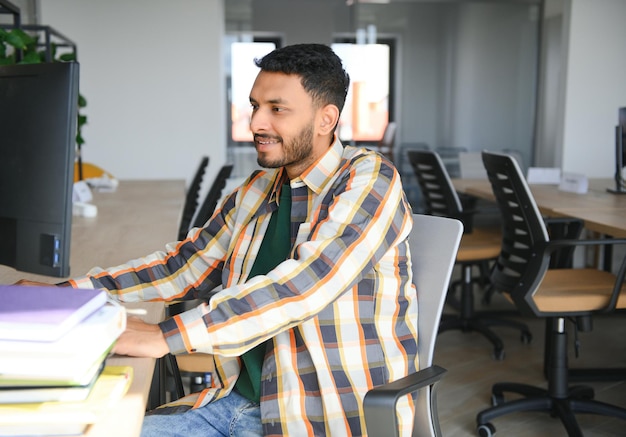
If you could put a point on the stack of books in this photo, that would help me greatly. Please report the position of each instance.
(53, 346)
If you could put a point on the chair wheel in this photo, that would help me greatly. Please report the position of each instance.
(527, 337)
(486, 430)
(496, 399)
(498, 354)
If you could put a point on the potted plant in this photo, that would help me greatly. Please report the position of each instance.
(19, 47)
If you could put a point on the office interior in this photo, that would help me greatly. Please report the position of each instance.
(544, 78)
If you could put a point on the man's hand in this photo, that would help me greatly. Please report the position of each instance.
(141, 339)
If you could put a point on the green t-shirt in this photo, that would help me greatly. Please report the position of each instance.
(274, 249)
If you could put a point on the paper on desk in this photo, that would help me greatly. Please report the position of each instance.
(574, 183)
(544, 175)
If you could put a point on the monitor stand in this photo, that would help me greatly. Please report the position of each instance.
(620, 184)
(616, 190)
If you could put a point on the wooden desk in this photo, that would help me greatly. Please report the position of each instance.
(135, 220)
(124, 420)
(604, 221)
(601, 211)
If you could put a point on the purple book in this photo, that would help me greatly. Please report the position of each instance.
(44, 313)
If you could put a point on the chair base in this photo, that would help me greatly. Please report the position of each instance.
(498, 390)
(598, 374)
(563, 408)
(559, 399)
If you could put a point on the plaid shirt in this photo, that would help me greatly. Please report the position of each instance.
(341, 311)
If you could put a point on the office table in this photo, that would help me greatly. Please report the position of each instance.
(135, 220)
(602, 212)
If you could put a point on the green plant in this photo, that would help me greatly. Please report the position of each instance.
(16, 42)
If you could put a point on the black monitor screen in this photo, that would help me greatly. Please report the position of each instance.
(38, 115)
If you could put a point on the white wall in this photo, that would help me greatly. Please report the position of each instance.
(495, 78)
(595, 77)
(151, 71)
(468, 72)
(423, 75)
(313, 21)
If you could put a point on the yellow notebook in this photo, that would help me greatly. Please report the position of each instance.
(66, 418)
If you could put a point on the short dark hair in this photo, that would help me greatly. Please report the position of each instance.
(320, 69)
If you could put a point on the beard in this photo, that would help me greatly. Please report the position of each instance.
(297, 150)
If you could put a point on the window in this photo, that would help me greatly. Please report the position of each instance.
(368, 106)
(240, 78)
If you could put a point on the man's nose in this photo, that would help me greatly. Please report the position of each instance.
(259, 121)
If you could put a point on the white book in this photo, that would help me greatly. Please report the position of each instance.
(42, 393)
(70, 358)
(44, 313)
(67, 418)
(8, 381)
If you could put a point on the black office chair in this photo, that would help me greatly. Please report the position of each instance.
(213, 196)
(522, 272)
(191, 199)
(196, 367)
(166, 372)
(479, 247)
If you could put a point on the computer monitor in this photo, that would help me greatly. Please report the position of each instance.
(38, 118)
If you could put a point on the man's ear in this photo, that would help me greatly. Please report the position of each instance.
(329, 117)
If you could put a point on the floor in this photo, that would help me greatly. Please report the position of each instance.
(466, 388)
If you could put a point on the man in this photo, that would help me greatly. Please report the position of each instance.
(317, 305)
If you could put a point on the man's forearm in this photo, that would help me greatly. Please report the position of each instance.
(141, 339)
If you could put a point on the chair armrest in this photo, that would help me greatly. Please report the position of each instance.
(562, 220)
(621, 274)
(561, 244)
(379, 403)
(563, 228)
(558, 244)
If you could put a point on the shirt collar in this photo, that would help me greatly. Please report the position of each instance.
(278, 179)
(317, 175)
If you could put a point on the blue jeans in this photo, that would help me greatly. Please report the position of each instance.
(233, 415)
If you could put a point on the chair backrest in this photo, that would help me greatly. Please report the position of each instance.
(434, 242)
(520, 267)
(518, 156)
(210, 201)
(191, 198)
(440, 197)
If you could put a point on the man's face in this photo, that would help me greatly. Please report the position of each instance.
(284, 122)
